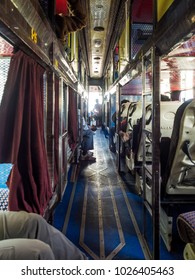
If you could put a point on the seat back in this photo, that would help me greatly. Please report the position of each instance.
(134, 114)
(167, 115)
(186, 226)
(124, 109)
(179, 176)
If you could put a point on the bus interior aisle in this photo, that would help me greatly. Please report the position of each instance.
(101, 212)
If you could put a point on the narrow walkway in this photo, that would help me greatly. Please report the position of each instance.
(99, 213)
(98, 217)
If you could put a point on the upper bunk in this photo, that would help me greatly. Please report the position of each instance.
(172, 39)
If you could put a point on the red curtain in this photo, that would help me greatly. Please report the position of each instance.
(22, 136)
(56, 133)
(72, 119)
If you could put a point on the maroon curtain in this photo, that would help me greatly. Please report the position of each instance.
(72, 119)
(22, 136)
(56, 133)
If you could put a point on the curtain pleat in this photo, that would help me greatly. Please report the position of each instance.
(56, 133)
(72, 119)
(22, 136)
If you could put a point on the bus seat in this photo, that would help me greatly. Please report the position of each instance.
(189, 251)
(186, 226)
(178, 178)
(124, 109)
(148, 140)
(134, 125)
(167, 115)
(133, 117)
(186, 230)
(134, 114)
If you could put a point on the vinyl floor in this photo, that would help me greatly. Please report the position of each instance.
(102, 213)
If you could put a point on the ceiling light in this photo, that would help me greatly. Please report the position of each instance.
(193, 19)
(98, 28)
(99, 6)
(97, 43)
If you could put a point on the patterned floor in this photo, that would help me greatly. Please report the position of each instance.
(100, 211)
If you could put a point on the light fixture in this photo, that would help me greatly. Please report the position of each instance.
(99, 6)
(193, 19)
(98, 28)
(97, 43)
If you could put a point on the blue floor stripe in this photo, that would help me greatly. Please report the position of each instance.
(106, 209)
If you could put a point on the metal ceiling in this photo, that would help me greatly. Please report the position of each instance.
(98, 38)
(99, 18)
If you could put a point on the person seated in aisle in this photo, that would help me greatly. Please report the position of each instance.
(87, 143)
(26, 235)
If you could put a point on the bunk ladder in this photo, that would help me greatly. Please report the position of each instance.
(117, 138)
(151, 152)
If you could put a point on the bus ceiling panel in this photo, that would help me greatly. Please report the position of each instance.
(105, 22)
(97, 35)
